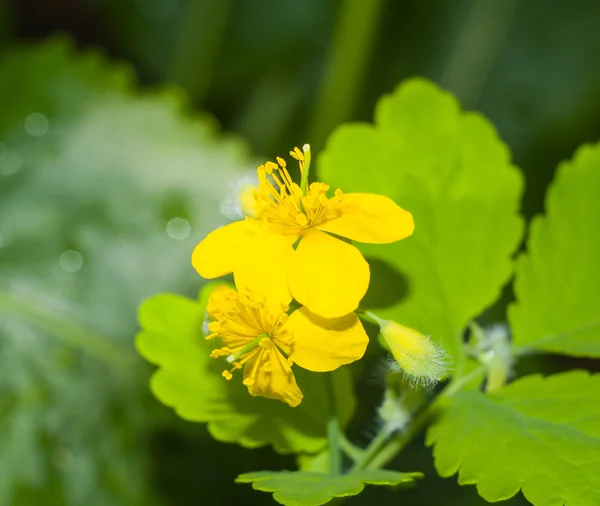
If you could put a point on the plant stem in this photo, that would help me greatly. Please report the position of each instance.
(396, 445)
(333, 429)
(200, 36)
(351, 450)
(375, 446)
(346, 67)
(370, 317)
(478, 44)
(68, 332)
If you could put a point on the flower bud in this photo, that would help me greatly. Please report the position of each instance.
(416, 354)
(240, 200)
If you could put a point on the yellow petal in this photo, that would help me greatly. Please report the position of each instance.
(324, 344)
(372, 219)
(268, 374)
(217, 254)
(327, 275)
(262, 268)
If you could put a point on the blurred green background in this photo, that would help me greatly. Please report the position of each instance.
(124, 125)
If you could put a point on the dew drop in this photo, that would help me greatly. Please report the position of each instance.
(36, 124)
(71, 260)
(179, 229)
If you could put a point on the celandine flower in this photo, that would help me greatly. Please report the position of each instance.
(261, 338)
(288, 245)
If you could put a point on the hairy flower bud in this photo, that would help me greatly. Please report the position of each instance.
(416, 354)
(240, 201)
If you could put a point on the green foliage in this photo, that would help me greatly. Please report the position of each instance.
(305, 488)
(66, 437)
(191, 382)
(104, 192)
(92, 175)
(558, 278)
(451, 171)
(541, 435)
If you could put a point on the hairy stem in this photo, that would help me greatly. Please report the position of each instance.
(397, 444)
(351, 450)
(375, 446)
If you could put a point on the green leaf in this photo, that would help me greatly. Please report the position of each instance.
(190, 381)
(305, 488)
(453, 173)
(558, 279)
(318, 462)
(541, 435)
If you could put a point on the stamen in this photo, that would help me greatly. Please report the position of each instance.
(270, 167)
(297, 154)
(289, 208)
(277, 180)
(220, 352)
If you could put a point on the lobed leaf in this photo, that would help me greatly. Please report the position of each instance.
(557, 281)
(190, 381)
(306, 488)
(540, 435)
(453, 173)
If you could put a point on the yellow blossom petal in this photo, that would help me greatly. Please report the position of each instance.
(370, 218)
(262, 268)
(327, 275)
(324, 344)
(217, 254)
(268, 374)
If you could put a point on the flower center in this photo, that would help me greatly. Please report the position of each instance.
(286, 208)
(245, 326)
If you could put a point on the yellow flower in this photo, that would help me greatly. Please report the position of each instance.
(290, 244)
(263, 340)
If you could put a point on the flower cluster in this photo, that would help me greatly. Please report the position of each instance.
(290, 246)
